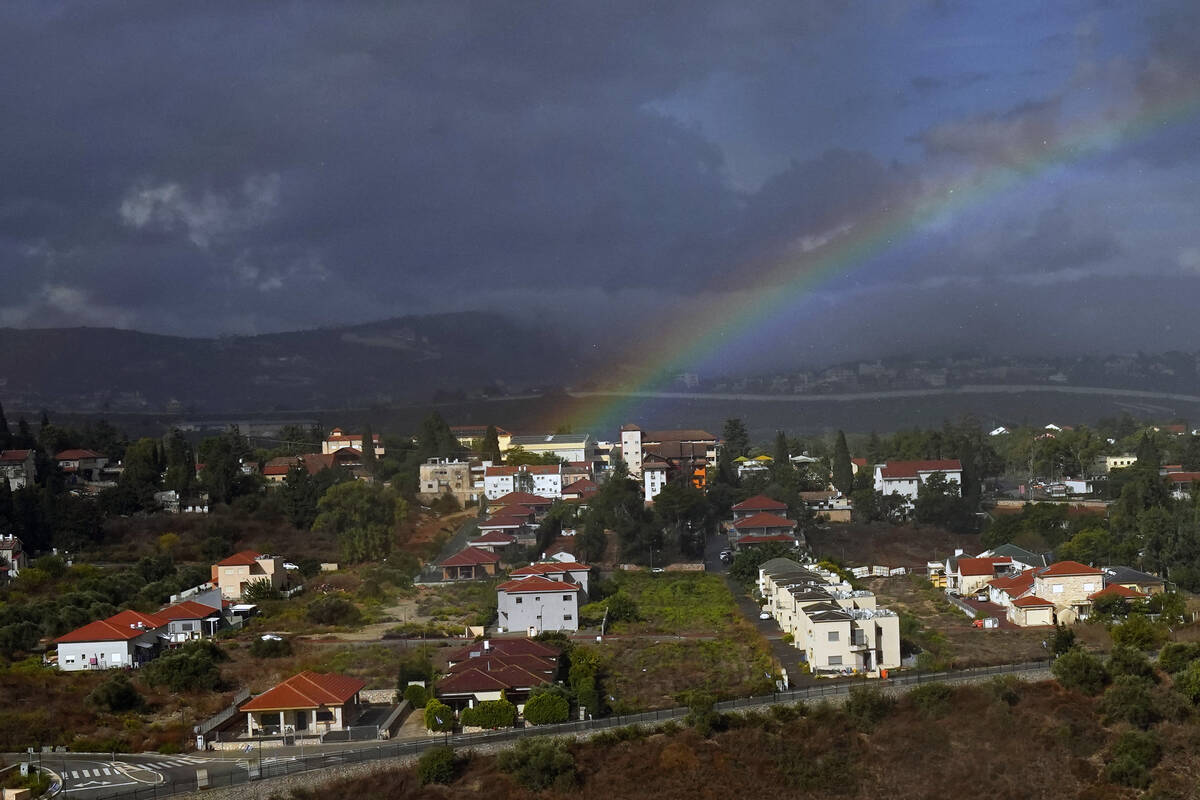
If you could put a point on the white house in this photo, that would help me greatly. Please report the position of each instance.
(535, 603)
(127, 639)
(19, 467)
(543, 480)
(337, 439)
(565, 446)
(905, 477)
(654, 478)
(12, 556)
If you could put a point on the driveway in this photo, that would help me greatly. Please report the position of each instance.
(787, 655)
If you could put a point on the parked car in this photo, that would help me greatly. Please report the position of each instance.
(765, 615)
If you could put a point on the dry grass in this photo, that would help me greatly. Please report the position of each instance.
(858, 544)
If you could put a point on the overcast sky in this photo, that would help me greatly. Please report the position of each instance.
(238, 167)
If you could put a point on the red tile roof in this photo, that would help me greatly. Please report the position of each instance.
(503, 521)
(1067, 568)
(1015, 585)
(246, 558)
(1116, 590)
(14, 456)
(188, 609)
(531, 469)
(764, 520)
(491, 660)
(683, 435)
(473, 680)
(911, 469)
(1031, 601)
(493, 537)
(524, 512)
(76, 455)
(859, 462)
(1183, 477)
(760, 502)
(773, 537)
(118, 628)
(306, 690)
(981, 566)
(470, 556)
(504, 647)
(550, 568)
(536, 583)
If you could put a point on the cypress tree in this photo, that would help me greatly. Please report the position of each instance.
(843, 472)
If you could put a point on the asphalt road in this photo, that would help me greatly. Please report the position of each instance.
(85, 775)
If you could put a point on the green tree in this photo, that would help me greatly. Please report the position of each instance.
(735, 438)
(1063, 640)
(1139, 633)
(363, 516)
(142, 470)
(222, 457)
(546, 708)
(180, 465)
(539, 764)
(437, 765)
(116, 695)
(940, 503)
(490, 451)
(438, 716)
(843, 471)
(1080, 670)
(368, 450)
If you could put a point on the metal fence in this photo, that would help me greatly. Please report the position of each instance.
(223, 716)
(273, 766)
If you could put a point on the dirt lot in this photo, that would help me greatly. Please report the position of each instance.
(950, 630)
(888, 545)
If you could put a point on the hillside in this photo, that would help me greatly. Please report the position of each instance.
(408, 359)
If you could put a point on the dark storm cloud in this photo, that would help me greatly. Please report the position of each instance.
(218, 167)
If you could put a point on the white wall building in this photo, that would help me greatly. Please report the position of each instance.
(544, 480)
(906, 477)
(535, 603)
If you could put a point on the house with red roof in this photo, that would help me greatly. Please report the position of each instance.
(569, 570)
(495, 541)
(485, 669)
(965, 576)
(309, 703)
(189, 620)
(125, 640)
(233, 574)
(1030, 611)
(535, 503)
(536, 603)
(1068, 584)
(470, 563)
(906, 477)
(337, 439)
(758, 504)
(81, 465)
(762, 528)
(12, 556)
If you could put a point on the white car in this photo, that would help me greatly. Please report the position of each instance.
(765, 615)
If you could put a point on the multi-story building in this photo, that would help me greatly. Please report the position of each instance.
(233, 574)
(442, 476)
(837, 628)
(543, 480)
(12, 556)
(337, 439)
(19, 467)
(907, 477)
(535, 603)
(694, 450)
(564, 446)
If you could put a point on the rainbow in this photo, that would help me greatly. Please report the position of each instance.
(780, 283)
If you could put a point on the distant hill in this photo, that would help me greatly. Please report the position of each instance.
(403, 360)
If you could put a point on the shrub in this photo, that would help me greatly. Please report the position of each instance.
(701, 712)
(539, 764)
(1176, 656)
(867, 705)
(192, 668)
(416, 695)
(1187, 682)
(438, 716)
(931, 699)
(333, 611)
(621, 608)
(261, 589)
(1062, 640)
(1079, 670)
(546, 709)
(270, 648)
(1127, 661)
(490, 714)
(1004, 688)
(1139, 633)
(1129, 700)
(1133, 756)
(437, 765)
(117, 694)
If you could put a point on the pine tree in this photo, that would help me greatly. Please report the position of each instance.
(843, 471)
(4, 434)
(736, 438)
(368, 449)
(491, 445)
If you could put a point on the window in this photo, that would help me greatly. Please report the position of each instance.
(1089, 587)
(567, 617)
(1057, 588)
(833, 636)
(187, 626)
(517, 600)
(566, 598)
(324, 716)
(69, 660)
(835, 661)
(536, 599)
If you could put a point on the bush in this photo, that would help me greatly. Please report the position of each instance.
(333, 611)
(192, 668)
(539, 764)
(1187, 682)
(1062, 640)
(701, 713)
(117, 694)
(270, 648)
(1140, 633)
(1133, 756)
(1129, 700)
(621, 608)
(258, 590)
(547, 709)
(932, 699)
(416, 695)
(1079, 670)
(868, 705)
(1176, 656)
(1004, 688)
(490, 714)
(437, 765)
(1127, 661)
(438, 716)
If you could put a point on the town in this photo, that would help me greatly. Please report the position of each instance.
(346, 586)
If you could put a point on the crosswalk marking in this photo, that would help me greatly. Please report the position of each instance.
(87, 773)
(74, 773)
(106, 771)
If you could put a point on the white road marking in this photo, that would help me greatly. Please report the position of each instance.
(107, 771)
(74, 774)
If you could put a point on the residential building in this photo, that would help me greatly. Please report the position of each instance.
(233, 574)
(1107, 464)
(348, 458)
(694, 450)
(544, 480)
(309, 703)
(473, 435)
(495, 541)
(1031, 610)
(442, 476)
(19, 467)
(538, 505)
(338, 439)
(12, 556)
(561, 568)
(654, 478)
(534, 604)
(190, 620)
(760, 503)
(753, 466)
(470, 563)
(127, 639)
(906, 477)
(1022, 559)
(580, 491)
(966, 576)
(837, 628)
(1068, 584)
(762, 528)
(1142, 582)
(485, 669)
(81, 465)
(1182, 483)
(563, 446)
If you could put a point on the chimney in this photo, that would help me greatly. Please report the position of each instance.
(487, 645)
(958, 552)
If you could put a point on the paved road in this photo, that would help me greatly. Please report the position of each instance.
(84, 775)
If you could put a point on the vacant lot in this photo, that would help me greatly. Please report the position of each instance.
(889, 545)
(678, 603)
